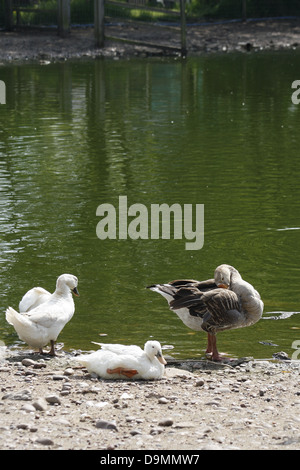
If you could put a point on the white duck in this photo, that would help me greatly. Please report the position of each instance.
(116, 361)
(33, 298)
(42, 324)
(223, 303)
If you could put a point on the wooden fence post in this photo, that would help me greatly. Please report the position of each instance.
(99, 22)
(183, 28)
(9, 19)
(64, 17)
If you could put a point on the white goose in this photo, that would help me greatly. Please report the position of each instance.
(46, 314)
(116, 361)
(223, 303)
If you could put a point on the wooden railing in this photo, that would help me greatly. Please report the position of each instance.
(64, 18)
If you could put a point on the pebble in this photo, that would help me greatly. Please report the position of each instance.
(28, 408)
(126, 396)
(45, 441)
(156, 430)
(58, 377)
(163, 401)
(103, 424)
(166, 422)
(23, 395)
(22, 426)
(30, 362)
(135, 432)
(199, 383)
(40, 405)
(53, 399)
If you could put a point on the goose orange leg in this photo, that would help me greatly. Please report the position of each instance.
(209, 345)
(212, 347)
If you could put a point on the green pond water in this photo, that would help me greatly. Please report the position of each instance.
(219, 130)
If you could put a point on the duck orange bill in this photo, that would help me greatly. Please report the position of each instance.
(223, 286)
(161, 359)
(75, 291)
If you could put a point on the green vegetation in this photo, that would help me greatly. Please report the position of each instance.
(140, 14)
(234, 8)
(82, 10)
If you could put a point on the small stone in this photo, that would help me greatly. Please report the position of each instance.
(199, 383)
(66, 386)
(53, 399)
(166, 422)
(58, 377)
(28, 408)
(28, 362)
(103, 424)
(283, 356)
(30, 372)
(39, 365)
(126, 396)
(129, 419)
(184, 424)
(45, 441)
(40, 405)
(135, 432)
(69, 371)
(24, 395)
(163, 401)
(31, 363)
(156, 430)
(22, 426)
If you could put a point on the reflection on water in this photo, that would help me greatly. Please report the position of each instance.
(278, 315)
(220, 131)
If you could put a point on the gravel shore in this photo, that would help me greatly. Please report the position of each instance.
(52, 403)
(202, 38)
